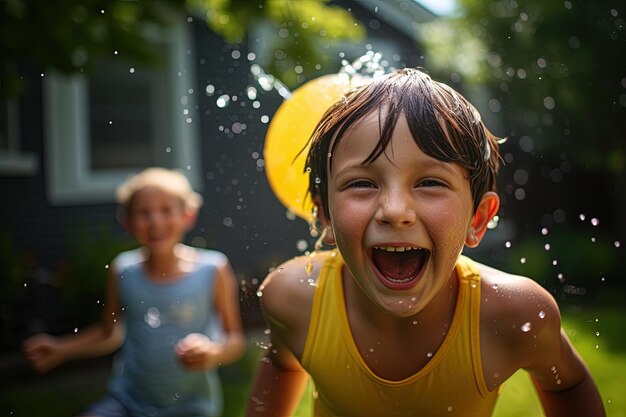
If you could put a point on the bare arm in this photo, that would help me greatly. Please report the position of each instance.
(278, 384)
(560, 376)
(45, 352)
(564, 384)
(286, 304)
(196, 351)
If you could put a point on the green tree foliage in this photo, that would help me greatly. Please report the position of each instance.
(70, 36)
(297, 32)
(555, 68)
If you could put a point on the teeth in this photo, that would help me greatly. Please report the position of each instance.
(396, 248)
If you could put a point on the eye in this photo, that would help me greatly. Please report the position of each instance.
(361, 184)
(430, 182)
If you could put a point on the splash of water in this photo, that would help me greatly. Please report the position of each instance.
(365, 67)
(268, 82)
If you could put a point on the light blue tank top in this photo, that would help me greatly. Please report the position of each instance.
(147, 377)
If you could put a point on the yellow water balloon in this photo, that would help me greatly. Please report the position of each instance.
(288, 134)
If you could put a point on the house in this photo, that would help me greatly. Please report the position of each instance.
(71, 140)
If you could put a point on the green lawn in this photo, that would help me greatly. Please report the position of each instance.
(598, 335)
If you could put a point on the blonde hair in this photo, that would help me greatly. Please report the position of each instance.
(168, 180)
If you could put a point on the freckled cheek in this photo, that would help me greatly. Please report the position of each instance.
(349, 222)
(447, 225)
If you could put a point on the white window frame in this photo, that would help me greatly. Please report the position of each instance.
(69, 178)
(13, 160)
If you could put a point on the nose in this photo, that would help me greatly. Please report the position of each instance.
(396, 209)
(154, 218)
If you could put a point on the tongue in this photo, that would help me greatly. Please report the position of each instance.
(399, 266)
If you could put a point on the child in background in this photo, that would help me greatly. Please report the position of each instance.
(395, 321)
(174, 309)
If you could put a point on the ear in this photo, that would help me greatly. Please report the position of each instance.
(487, 208)
(327, 227)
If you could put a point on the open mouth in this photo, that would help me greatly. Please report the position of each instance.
(399, 266)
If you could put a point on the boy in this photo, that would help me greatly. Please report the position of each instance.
(403, 174)
(178, 307)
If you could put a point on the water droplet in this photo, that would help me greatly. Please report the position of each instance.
(259, 293)
(153, 317)
(549, 102)
(544, 231)
(450, 408)
(302, 245)
(494, 286)
(429, 354)
(581, 217)
(507, 244)
(223, 101)
(493, 223)
(542, 314)
(595, 222)
(496, 374)
(526, 327)
(546, 246)
(251, 92)
(522, 260)
(414, 321)
(617, 244)
(597, 333)
(371, 349)
(75, 329)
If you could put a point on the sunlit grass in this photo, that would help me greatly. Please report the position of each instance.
(596, 333)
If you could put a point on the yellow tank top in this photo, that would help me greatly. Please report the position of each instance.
(451, 384)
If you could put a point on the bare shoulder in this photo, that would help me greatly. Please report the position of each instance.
(520, 328)
(286, 298)
(287, 292)
(517, 314)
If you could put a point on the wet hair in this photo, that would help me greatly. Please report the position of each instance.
(444, 125)
(168, 180)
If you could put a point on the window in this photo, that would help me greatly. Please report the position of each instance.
(101, 129)
(13, 160)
